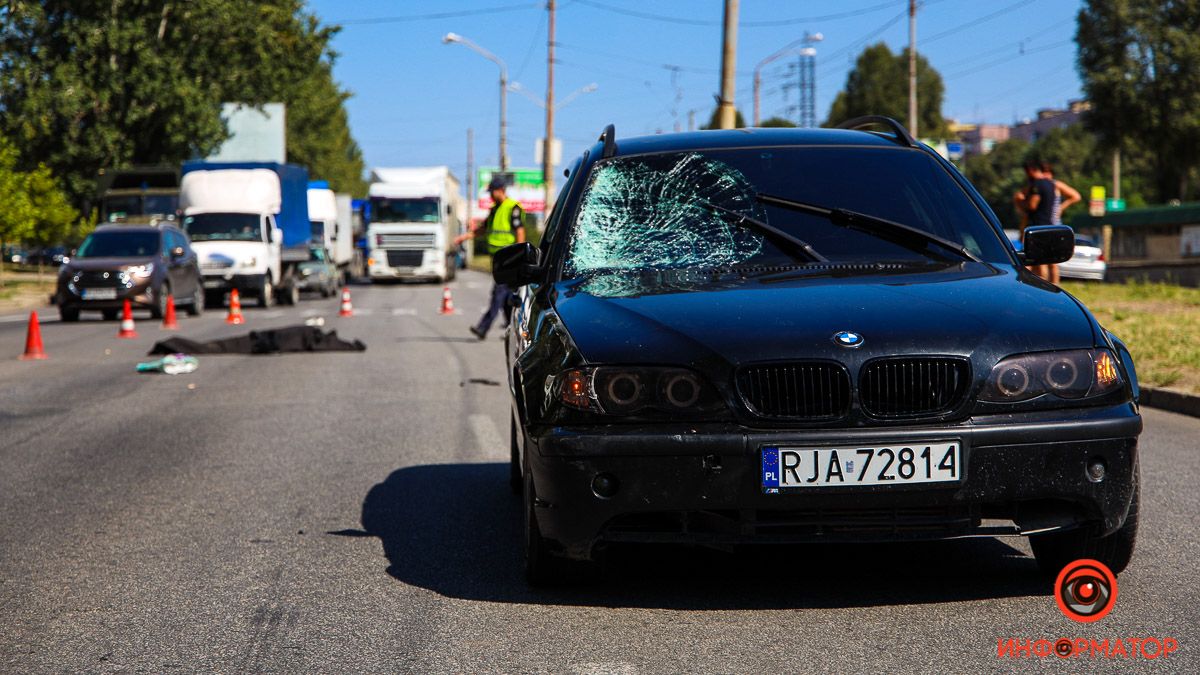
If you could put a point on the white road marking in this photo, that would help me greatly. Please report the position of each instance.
(275, 314)
(16, 318)
(311, 312)
(487, 437)
(404, 311)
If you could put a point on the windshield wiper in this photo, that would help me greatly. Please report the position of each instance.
(795, 244)
(909, 237)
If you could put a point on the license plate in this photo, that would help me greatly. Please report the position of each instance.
(899, 464)
(99, 294)
(213, 283)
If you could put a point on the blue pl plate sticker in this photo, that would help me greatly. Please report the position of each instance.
(770, 469)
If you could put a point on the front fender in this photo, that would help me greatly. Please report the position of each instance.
(1126, 360)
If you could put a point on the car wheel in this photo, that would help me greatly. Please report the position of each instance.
(159, 308)
(1055, 550)
(68, 314)
(326, 290)
(451, 268)
(109, 314)
(514, 463)
(266, 292)
(290, 294)
(197, 306)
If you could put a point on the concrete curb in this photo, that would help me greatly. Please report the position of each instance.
(1167, 399)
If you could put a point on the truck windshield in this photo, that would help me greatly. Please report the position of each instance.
(119, 245)
(120, 207)
(420, 210)
(224, 227)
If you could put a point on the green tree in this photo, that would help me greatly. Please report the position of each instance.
(54, 220)
(88, 85)
(998, 175)
(16, 211)
(777, 122)
(878, 85)
(1140, 66)
(739, 122)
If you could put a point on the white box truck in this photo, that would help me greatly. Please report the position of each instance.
(248, 222)
(415, 215)
(329, 215)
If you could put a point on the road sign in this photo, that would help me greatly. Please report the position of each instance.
(1096, 203)
(524, 185)
(1114, 205)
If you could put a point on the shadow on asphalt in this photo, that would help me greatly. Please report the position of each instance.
(455, 529)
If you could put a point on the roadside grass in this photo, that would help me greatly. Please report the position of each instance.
(1159, 322)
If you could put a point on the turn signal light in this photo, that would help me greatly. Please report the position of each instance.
(575, 390)
(1106, 370)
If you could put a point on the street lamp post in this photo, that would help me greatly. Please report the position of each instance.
(548, 142)
(456, 38)
(787, 49)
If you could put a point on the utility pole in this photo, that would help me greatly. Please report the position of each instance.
(471, 179)
(548, 141)
(1116, 171)
(691, 120)
(726, 112)
(912, 68)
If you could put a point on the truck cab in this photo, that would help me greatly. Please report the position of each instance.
(414, 219)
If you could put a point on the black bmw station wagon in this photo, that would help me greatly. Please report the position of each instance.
(788, 336)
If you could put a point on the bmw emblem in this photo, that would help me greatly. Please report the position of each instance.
(848, 338)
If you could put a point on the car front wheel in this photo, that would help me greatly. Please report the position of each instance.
(197, 306)
(266, 292)
(68, 314)
(1056, 550)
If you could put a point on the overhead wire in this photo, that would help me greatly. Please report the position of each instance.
(741, 24)
(439, 15)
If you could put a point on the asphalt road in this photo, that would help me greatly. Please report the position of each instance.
(348, 512)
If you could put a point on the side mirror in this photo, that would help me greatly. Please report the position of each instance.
(1048, 244)
(276, 235)
(516, 265)
(177, 252)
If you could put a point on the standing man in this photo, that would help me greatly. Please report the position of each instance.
(504, 228)
(1040, 203)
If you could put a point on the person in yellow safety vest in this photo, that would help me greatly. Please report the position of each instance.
(504, 228)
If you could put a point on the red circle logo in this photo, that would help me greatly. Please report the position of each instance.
(1086, 590)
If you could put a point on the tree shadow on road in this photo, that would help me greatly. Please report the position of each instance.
(455, 529)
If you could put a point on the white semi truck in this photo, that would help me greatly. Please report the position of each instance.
(415, 215)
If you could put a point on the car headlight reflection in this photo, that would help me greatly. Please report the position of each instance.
(1071, 374)
(614, 390)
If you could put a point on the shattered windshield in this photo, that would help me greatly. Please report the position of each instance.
(681, 210)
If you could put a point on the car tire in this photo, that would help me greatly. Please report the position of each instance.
(451, 268)
(109, 314)
(326, 290)
(514, 462)
(266, 292)
(159, 308)
(290, 294)
(68, 314)
(1056, 550)
(197, 306)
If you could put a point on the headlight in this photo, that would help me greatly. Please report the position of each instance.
(1076, 374)
(613, 390)
(250, 262)
(140, 271)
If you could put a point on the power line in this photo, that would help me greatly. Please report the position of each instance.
(1007, 59)
(976, 22)
(439, 15)
(533, 43)
(743, 24)
(1052, 27)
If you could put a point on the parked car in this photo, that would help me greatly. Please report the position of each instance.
(50, 257)
(319, 273)
(142, 264)
(805, 335)
(1087, 262)
(15, 255)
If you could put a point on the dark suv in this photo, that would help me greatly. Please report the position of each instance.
(806, 335)
(142, 264)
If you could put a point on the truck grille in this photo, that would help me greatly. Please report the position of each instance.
(405, 258)
(405, 241)
(913, 387)
(216, 264)
(802, 390)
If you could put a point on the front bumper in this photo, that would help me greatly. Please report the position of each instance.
(701, 484)
(140, 295)
(431, 266)
(224, 282)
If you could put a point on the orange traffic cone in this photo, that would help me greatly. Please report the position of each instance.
(169, 322)
(447, 302)
(127, 330)
(347, 308)
(235, 309)
(33, 340)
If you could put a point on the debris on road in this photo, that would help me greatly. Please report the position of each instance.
(289, 339)
(171, 364)
(315, 321)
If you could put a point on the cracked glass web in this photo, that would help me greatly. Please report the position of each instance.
(655, 213)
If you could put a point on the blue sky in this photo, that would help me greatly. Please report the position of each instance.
(414, 97)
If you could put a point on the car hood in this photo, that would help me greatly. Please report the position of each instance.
(101, 264)
(966, 310)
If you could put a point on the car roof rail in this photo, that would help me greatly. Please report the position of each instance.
(609, 138)
(861, 123)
